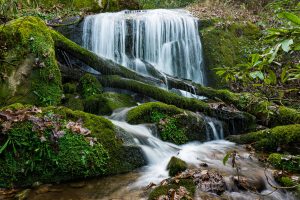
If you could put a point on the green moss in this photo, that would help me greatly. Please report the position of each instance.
(97, 104)
(31, 74)
(286, 181)
(154, 4)
(89, 86)
(176, 166)
(285, 137)
(143, 113)
(222, 46)
(164, 189)
(174, 124)
(70, 88)
(285, 162)
(286, 116)
(74, 103)
(106, 103)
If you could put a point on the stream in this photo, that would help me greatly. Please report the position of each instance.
(158, 153)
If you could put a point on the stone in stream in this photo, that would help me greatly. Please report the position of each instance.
(175, 166)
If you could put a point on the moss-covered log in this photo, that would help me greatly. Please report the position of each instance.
(285, 138)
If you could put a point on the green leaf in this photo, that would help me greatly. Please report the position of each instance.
(257, 74)
(274, 52)
(272, 77)
(290, 16)
(225, 159)
(286, 45)
(4, 146)
(283, 75)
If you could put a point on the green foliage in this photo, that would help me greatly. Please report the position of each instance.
(285, 162)
(286, 181)
(153, 4)
(176, 166)
(89, 86)
(97, 104)
(170, 132)
(274, 66)
(74, 103)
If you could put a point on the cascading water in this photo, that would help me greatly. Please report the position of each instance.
(166, 39)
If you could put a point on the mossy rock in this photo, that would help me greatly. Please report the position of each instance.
(70, 88)
(31, 155)
(174, 124)
(176, 166)
(28, 69)
(164, 189)
(89, 86)
(285, 162)
(74, 102)
(286, 137)
(222, 46)
(106, 103)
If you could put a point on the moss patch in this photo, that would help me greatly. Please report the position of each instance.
(285, 162)
(29, 71)
(89, 86)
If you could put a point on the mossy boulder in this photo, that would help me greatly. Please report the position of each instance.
(164, 189)
(58, 144)
(285, 162)
(89, 86)
(106, 103)
(28, 69)
(176, 165)
(222, 45)
(174, 124)
(73, 102)
(285, 138)
(70, 88)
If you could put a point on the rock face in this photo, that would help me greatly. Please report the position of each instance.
(176, 166)
(28, 68)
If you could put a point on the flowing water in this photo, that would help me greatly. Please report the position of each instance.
(158, 153)
(166, 39)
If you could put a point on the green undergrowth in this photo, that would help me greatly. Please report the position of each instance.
(174, 124)
(28, 67)
(287, 138)
(285, 162)
(33, 150)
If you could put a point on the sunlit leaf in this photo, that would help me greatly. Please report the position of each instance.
(290, 16)
(286, 45)
(257, 74)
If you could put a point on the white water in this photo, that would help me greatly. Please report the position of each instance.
(167, 39)
(159, 153)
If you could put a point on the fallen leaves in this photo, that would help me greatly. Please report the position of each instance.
(42, 122)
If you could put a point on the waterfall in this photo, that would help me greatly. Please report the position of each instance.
(166, 39)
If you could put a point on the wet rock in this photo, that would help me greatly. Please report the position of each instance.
(7, 194)
(23, 195)
(203, 165)
(255, 184)
(36, 184)
(207, 196)
(209, 181)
